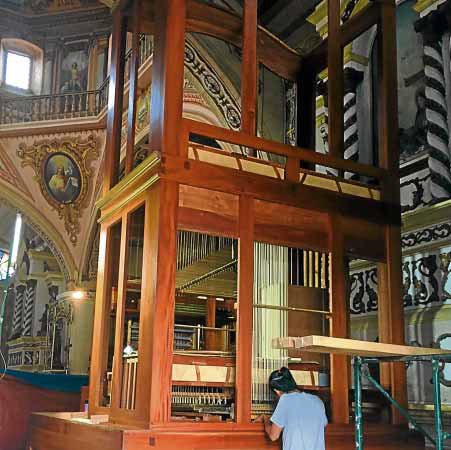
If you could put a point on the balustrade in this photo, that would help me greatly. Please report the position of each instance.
(68, 105)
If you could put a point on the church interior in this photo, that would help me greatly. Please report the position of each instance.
(182, 182)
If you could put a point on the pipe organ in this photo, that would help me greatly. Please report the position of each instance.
(210, 254)
(290, 298)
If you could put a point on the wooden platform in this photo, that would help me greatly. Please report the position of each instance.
(352, 347)
(18, 400)
(54, 431)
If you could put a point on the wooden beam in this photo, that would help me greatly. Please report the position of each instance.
(249, 68)
(133, 87)
(168, 77)
(339, 364)
(245, 310)
(209, 176)
(335, 81)
(115, 103)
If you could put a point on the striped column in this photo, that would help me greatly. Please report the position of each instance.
(28, 309)
(18, 310)
(352, 78)
(436, 115)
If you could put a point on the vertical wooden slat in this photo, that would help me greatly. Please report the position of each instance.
(115, 99)
(120, 314)
(335, 80)
(245, 310)
(101, 320)
(210, 335)
(340, 368)
(249, 68)
(391, 310)
(143, 363)
(133, 87)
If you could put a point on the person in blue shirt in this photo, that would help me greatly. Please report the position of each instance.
(299, 417)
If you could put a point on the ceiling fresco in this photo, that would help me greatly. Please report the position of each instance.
(47, 6)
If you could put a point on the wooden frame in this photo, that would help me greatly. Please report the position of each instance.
(198, 196)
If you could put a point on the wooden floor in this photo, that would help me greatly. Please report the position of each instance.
(57, 432)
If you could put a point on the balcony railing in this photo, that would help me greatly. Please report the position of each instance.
(68, 105)
(54, 106)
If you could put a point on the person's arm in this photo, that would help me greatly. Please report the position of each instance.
(272, 430)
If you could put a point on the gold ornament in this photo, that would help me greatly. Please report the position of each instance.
(62, 169)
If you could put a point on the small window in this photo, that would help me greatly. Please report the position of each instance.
(18, 70)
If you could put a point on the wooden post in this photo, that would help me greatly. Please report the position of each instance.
(391, 309)
(166, 138)
(245, 310)
(101, 323)
(133, 87)
(115, 99)
(339, 364)
(163, 201)
(168, 77)
(249, 68)
(210, 335)
(335, 80)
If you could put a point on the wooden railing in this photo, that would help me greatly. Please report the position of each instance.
(295, 157)
(68, 105)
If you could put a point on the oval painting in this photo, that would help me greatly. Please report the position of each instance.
(62, 178)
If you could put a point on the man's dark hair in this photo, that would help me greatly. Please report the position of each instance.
(282, 380)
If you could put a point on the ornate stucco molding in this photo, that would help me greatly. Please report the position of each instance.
(62, 170)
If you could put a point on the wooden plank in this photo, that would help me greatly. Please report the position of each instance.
(353, 347)
(245, 310)
(115, 95)
(249, 69)
(207, 222)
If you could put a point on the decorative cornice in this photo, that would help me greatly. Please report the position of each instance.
(120, 188)
(319, 16)
(424, 7)
(424, 217)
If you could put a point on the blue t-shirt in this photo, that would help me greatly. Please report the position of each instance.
(303, 418)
